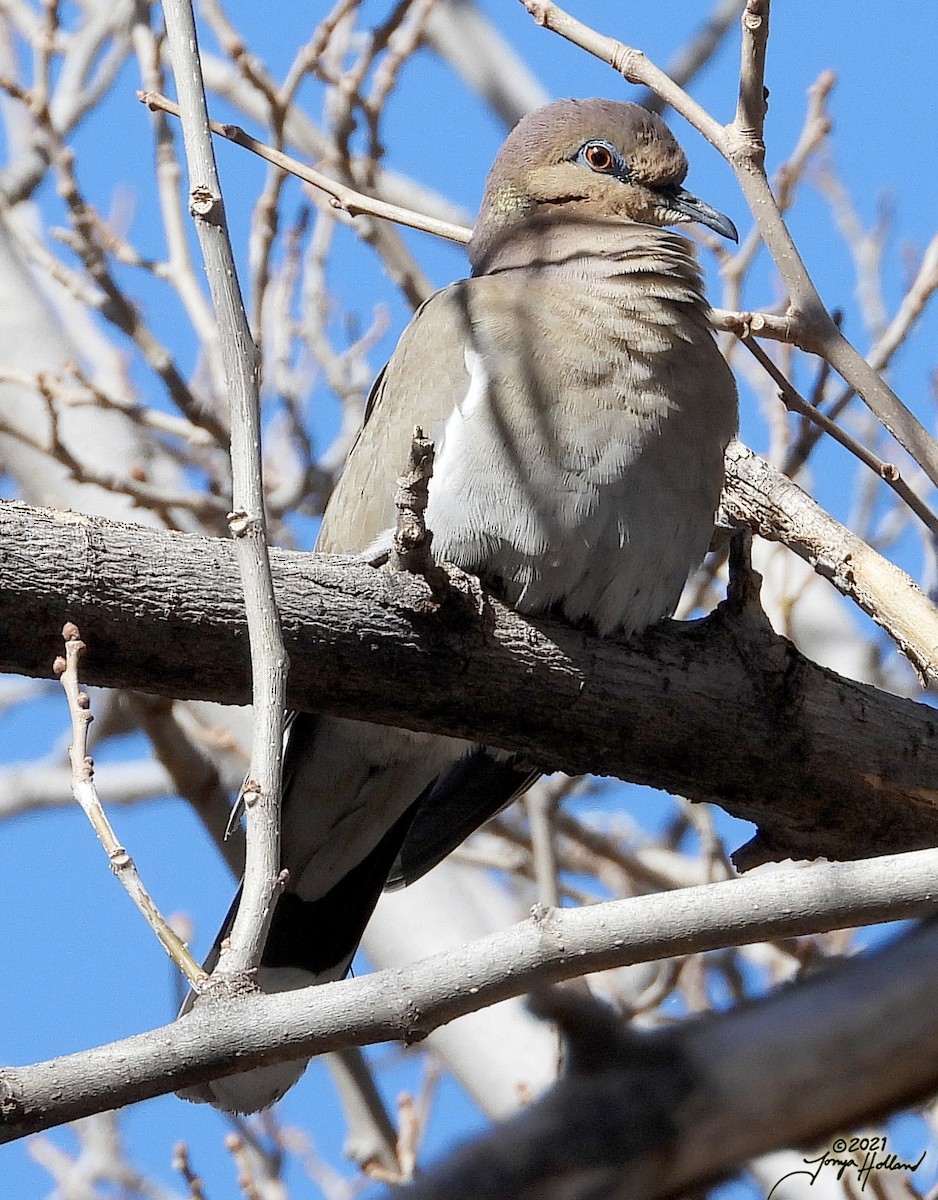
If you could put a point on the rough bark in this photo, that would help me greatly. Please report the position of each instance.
(721, 710)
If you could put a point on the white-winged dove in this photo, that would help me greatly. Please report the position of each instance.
(580, 410)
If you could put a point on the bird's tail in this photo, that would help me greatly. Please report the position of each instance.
(309, 942)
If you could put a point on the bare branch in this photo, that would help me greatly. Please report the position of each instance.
(85, 792)
(751, 107)
(179, 268)
(344, 198)
(371, 1140)
(542, 802)
(886, 471)
(814, 131)
(772, 505)
(856, 771)
(269, 662)
(182, 1164)
(553, 944)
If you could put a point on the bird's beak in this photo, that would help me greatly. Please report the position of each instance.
(695, 209)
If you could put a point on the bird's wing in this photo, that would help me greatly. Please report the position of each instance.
(425, 381)
(421, 385)
(461, 799)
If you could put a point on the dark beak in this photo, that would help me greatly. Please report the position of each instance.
(695, 209)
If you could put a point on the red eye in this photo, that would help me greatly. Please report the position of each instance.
(598, 157)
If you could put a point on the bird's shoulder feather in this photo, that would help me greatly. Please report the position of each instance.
(424, 380)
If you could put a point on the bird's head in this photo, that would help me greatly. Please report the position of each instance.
(589, 160)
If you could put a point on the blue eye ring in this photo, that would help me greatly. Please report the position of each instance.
(603, 158)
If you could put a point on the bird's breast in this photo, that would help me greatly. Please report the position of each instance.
(583, 464)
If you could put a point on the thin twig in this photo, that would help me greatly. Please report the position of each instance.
(179, 268)
(85, 792)
(182, 1164)
(345, 198)
(542, 803)
(751, 106)
(756, 324)
(888, 472)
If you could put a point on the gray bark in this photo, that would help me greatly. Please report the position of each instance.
(721, 710)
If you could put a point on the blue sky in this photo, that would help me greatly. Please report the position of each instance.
(78, 966)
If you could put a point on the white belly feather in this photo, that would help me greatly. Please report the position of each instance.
(593, 517)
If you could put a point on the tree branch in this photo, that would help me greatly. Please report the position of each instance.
(345, 198)
(85, 791)
(406, 1004)
(769, 503)
(795, 403)
(823, 765)
(640, 1116)
(247, 521)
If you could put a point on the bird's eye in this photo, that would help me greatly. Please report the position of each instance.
(599, 157)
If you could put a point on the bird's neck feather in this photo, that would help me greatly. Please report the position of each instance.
(625, 251)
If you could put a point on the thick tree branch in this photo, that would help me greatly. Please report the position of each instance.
(770, 504)
(226, 1035)
(721, 710)
(640, 1116)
